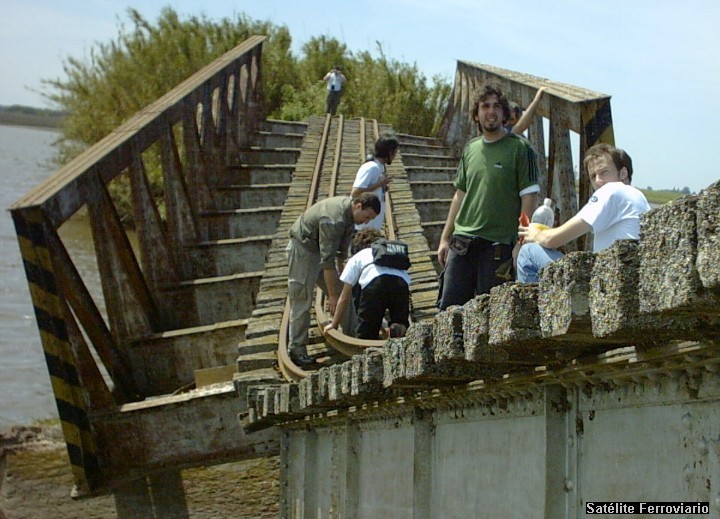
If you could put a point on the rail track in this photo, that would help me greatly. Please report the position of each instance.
(336, 339)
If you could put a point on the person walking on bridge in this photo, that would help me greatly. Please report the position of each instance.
(496, 179)
(319, 241)
(612, 213)
(335, 80)
(371, 176)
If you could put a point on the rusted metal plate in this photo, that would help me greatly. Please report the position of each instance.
(197, 428)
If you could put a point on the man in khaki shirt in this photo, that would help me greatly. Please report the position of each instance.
(318, 239)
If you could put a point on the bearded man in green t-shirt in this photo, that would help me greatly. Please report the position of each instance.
(496, 180)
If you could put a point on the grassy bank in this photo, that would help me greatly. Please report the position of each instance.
(35, 481)
(661, 197)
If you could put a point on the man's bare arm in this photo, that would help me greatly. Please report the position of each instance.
(342, 305)
(555, 236)
(449, 226)
(523, 123)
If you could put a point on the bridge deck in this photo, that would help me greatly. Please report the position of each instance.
(264, 326)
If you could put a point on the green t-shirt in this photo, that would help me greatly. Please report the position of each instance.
(492, 175)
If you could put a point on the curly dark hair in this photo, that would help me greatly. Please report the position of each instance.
(487, 91)
(364, 238)
(386, 145)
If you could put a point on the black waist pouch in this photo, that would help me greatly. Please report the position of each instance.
(460, 244)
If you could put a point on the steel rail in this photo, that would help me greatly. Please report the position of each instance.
(338, 340)
(290, 370)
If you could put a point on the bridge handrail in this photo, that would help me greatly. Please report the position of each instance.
(215, 113)
(112, 154)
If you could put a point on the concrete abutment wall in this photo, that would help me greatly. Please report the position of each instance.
(544, 454)
(600, 383)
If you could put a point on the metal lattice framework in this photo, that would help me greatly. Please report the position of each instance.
(194, 128)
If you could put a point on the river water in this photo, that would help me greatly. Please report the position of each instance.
(25, 391)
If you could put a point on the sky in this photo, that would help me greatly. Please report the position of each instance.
(657, 59)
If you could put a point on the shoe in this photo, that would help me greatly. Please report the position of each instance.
(301, 359)
(397, 330)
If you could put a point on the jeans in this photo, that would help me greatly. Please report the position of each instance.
(332, 101)
(470, 269)
(531, 259)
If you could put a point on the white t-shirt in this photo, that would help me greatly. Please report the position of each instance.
(613, 212)
(370, 173)
(360, 267)
(335, 81)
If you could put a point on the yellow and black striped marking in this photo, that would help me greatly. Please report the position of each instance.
(597, 123)
(50, 311)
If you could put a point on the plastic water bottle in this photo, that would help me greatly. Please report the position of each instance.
(544, 215)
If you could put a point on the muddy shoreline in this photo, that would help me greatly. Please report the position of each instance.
(35, 481)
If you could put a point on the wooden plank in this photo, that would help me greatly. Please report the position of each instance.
(209, 376)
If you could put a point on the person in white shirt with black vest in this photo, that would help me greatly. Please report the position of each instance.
(371, 177)
(383, 288)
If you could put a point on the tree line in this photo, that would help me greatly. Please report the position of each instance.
(147, 59)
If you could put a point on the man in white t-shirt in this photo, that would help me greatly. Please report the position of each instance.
(612, 213)
(335, 80)
(371, 176)
(382, 288)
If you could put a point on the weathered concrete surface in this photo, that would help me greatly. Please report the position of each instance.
(367, 372)
(476, 332)
(309, 391)
(570, 430)
(678, 251)
(449, 343)
(614, 301)
(668, 250)
(394, 361)
(708, 230)
(461, 350)
(419, 354)
(514, 326)
(564, 296)
(411, 361)
(617, 291)
(514, 316)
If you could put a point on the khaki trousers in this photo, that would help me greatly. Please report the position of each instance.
(304, 273)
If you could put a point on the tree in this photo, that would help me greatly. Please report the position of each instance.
(146, 60)
(380, 88)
